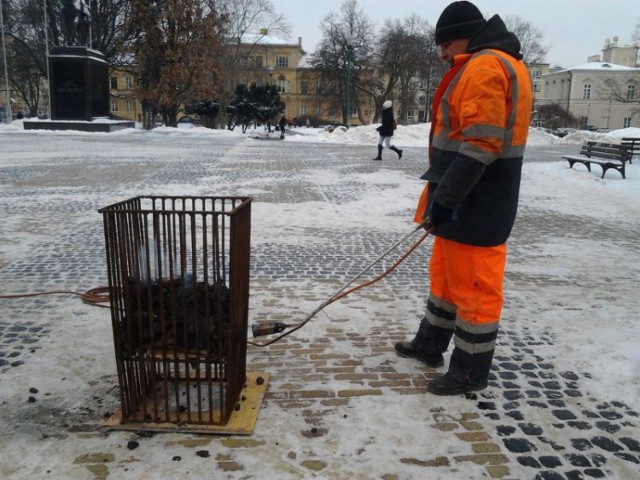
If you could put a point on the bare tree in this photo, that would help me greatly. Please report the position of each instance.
(249, 17)
(530, 37)
(431, 72)
(108, 20)
(635, 36)
(408, 56)
(346, 44)
(627, 91)
(26, 51)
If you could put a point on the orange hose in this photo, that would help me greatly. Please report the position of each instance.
(340, 295)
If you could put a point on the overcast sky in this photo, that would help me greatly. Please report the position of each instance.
(572, 29)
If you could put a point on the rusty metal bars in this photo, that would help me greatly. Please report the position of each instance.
(178, 271)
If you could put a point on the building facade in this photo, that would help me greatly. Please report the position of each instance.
(265, 60)
(124, 103)
(287, 65)
(600, 94)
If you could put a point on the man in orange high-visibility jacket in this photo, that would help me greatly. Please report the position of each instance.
(480, 123)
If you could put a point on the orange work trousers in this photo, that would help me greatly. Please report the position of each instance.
(470, 278)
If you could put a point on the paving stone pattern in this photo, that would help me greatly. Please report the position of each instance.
(512, 428)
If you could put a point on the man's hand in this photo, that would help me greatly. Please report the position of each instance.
(440, 215)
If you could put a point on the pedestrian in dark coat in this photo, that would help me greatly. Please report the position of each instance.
(386, 130)
(282, 123)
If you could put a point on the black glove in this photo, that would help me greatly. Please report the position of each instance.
(440, 215)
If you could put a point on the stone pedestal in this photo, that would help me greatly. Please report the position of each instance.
(79, 84)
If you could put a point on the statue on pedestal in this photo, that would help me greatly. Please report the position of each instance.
(76, 18)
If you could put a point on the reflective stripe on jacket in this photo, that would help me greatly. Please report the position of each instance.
(483, 117)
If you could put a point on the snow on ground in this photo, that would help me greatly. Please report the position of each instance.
(613, 360)
(405, 136)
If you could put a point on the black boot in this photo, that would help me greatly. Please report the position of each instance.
(427, 346)
(467, 372)
(411, 350)
(447, 384)
(379, 157)
(398, 151)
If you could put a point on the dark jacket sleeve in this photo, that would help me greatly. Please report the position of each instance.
(457, 182)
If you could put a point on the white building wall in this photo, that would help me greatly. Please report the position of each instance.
(584, 93)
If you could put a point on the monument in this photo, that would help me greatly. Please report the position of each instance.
(79, 78)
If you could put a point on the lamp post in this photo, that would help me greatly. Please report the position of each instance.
(6, 70)
(269, 97)
(349, 60)
(46, 58)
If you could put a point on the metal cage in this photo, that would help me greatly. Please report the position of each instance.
(178, 271)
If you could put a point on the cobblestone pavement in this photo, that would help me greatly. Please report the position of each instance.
(533, 422)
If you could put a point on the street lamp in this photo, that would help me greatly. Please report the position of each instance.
(270, 70)
(46, 59)
(349, 60)
(6, 70)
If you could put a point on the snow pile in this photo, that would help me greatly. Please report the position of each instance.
(405, 136)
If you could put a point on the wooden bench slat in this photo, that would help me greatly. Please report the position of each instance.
(632, 144)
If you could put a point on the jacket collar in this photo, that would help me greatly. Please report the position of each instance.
(494, 34)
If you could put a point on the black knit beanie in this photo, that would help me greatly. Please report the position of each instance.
(458, 20)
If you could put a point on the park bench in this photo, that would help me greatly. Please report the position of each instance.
(632, 144)
(607, 155)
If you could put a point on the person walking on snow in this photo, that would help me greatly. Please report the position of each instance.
(481, 113)
(282, 124)
(386, 130)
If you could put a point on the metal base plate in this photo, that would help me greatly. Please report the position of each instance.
(241, 422)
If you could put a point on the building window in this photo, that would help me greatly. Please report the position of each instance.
(282, 61)
(332, 111)
(583, 122)
(128, 82)
(114, 83)
(318, 110)
(114, 105)
(259, 60)
(282, 84)
(626, 123)
(631, 92)
(410, 114)
(304, 87)
(536, 87)
(422, 85)
(586, 91)
(129, 106)
(303, 109)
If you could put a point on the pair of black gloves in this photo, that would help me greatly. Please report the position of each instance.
(440, 215)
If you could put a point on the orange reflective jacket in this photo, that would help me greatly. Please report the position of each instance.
(486, 110)
(478, 139)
